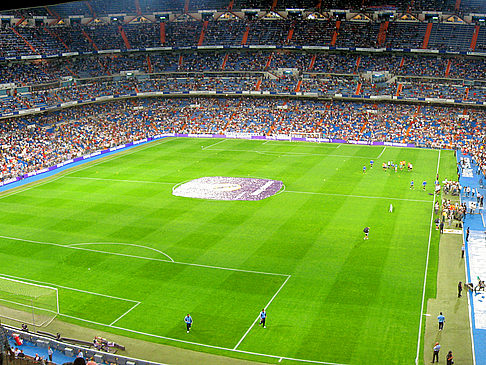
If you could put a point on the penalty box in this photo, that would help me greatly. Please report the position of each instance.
(211, 294)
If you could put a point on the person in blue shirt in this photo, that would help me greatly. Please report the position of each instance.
(371, 164)
(411, 184)
(423, 184)
(441, 320)
(263, 317)
(188, 320)
(364, 169)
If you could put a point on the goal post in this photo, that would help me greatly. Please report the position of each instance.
(305, 135)
(29, 303)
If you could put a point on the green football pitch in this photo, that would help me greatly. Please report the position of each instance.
(129, 257)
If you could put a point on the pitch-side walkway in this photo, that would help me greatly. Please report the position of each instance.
(465, 316)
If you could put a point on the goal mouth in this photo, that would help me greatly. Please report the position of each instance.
(228, 188)
(24, 302)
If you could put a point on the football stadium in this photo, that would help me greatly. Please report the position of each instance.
(243, 182)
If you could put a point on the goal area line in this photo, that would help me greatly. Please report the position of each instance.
(137, 303)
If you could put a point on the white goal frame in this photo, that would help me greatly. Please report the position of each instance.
(305, 135)
(53, 312)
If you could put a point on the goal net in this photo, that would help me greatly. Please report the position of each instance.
(33, 304)
(305, 135)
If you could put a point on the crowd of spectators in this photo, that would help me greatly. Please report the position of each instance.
(49, 40)
(47, 71)
(329, 86)
(34, 142)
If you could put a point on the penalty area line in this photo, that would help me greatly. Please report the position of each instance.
(171, 261)
(124, 314)
(256, 319)
(199, 344)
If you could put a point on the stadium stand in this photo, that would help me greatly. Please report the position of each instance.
(71, 64)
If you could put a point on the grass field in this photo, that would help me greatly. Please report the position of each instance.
(127, 255)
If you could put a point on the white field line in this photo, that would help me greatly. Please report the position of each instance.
(425, 273)
(384, 148)
(103, 160)
(303, 144)
(142, 257)
(255, 321)
(228, 268)
(121, 244)
(28, 306)
(200, 344)
(73, 289)
(169, 338)
(288, 153)
(73, 247)
(214, 144)
(124, 314)
(357, 196)
(119, 180)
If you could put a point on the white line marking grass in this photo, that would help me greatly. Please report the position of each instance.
(288, 153)
(383, 150)
(200, 344)
(87, 166)
(137, 303)
(426, 271)
(356, 196)
(121, 244)
(214, 144)
(73, 247)
(124, 314)
(119, 180)
(255, 321)
(70, 288)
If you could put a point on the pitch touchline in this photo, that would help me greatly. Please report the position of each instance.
(199, 344)
(426, 271)
(355, 196)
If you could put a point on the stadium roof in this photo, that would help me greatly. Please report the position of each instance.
(22, 4)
